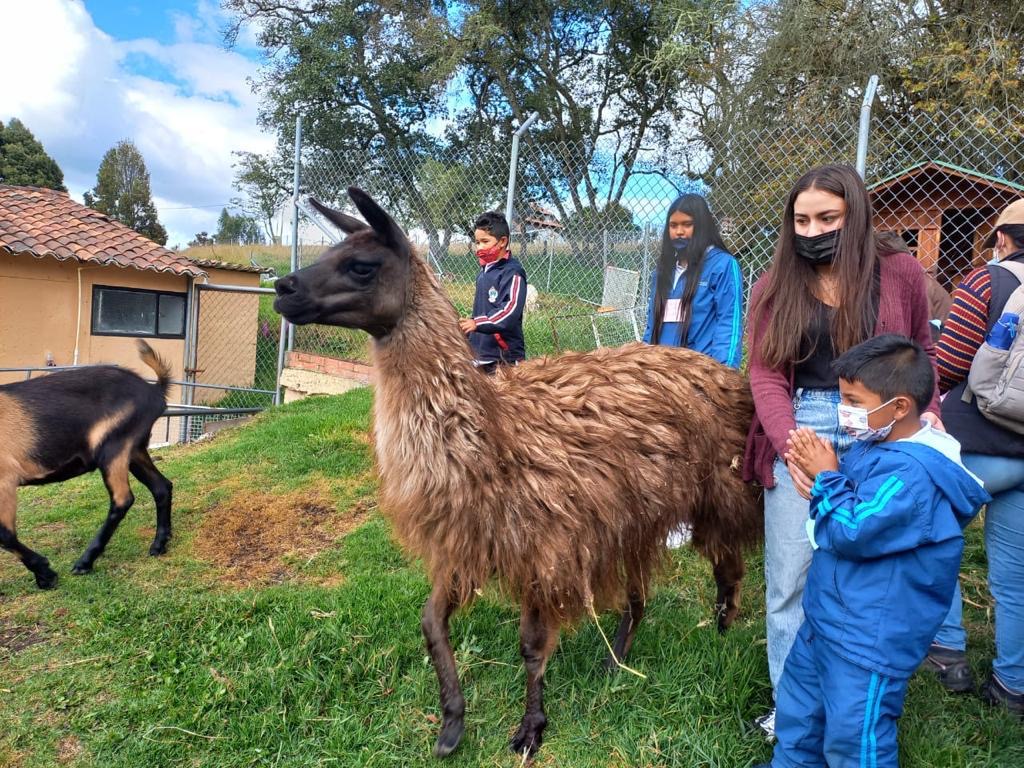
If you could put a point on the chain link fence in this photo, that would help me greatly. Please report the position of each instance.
(588, 229)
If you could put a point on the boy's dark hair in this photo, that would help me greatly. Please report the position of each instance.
(493, 223)
(890, 365)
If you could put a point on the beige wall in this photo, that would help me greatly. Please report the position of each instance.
(39, 302)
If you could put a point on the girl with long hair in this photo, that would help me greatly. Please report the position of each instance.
(697, 292)
(833, 283)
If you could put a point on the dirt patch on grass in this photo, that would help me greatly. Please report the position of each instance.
(15, 638)
(265, 538)
(69, 750)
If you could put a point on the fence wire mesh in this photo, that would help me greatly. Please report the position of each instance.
(588, 226)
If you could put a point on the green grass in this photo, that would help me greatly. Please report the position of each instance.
(161, 662)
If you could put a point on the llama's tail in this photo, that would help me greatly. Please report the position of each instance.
(158, 364)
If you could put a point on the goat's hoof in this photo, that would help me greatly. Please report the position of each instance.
(156, 549)
(610, 665)
(80, 568)
(529, 737)
(46, 580)
(449, 738)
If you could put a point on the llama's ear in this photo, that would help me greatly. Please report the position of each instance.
(344, 222)
(377, 217)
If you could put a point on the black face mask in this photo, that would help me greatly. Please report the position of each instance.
(820, 249)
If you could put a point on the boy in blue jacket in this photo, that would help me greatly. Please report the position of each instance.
(886, 524)
(496, 329)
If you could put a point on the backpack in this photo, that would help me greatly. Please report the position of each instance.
(996, 378)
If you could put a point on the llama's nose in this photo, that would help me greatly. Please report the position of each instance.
(287, 285)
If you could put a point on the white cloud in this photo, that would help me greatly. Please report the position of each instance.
(186, 105)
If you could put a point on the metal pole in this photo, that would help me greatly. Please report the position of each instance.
(865, 124)
(295, 218)
(515, 162)
(285, 332)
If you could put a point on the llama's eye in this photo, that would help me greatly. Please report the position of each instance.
(362, 270)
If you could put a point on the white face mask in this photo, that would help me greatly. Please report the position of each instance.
(855, 421)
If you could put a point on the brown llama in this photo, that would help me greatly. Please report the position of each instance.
(561, 478)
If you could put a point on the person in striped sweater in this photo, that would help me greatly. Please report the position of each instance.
(996, 455)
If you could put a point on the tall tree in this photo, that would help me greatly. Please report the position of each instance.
(23, 161)
(265, 183)
(122, 192)
(241, 229)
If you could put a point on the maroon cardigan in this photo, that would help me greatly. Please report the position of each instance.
(902, 308)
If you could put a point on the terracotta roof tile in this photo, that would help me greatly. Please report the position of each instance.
(44, 222)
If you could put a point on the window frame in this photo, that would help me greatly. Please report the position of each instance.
(94, 313)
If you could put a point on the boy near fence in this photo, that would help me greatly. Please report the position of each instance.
(886, 524)
(495, 330)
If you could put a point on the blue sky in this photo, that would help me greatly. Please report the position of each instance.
(155, 72)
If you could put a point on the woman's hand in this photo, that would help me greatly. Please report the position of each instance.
(934, 420)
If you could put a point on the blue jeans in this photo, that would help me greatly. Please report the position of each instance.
(1004, 546)
(787, 553)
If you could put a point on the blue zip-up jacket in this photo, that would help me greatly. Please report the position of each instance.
(717, 311)
(889, 530)
(498, 312)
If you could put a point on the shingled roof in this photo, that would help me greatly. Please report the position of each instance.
(43, 222)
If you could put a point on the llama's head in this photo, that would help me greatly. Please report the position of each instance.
(360, 282)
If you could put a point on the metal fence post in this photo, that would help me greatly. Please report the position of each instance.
(865, 124)
(513, 162)
(295, 219)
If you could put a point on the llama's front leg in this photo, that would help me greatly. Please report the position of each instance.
(728, 570)
(627, 629)
(438, 608)
(537, 640)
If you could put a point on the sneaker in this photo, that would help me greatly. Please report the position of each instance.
(998, 695)
(766, 724)
(950, 667)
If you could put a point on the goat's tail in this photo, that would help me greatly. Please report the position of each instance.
(157, 363)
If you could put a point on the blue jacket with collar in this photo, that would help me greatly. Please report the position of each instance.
(717, 325)
(498, 312)
(888, 527)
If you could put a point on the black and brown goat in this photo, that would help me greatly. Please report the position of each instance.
(72, 422)
(560, 478)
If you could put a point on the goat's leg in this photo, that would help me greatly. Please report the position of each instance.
(627, 628)
(115, 477)
(145, 471)
(538, 637)
(36, 563)
(438, 609)
(728, 569)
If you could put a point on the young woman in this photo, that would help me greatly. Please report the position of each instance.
(697, 292)
(832, 284)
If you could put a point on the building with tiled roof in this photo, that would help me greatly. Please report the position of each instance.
(77, 287)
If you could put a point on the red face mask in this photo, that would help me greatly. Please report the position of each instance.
(490, 255)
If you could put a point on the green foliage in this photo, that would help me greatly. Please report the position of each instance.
(240, 229)
(24, 162)
(265, 183)
(122, 192)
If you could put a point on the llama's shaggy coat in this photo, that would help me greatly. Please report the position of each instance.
(561, 477)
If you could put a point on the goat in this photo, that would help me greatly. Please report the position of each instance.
(72, 422)
(560, 477)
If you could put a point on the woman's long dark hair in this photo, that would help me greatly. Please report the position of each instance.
(786, 306)
(705, 234)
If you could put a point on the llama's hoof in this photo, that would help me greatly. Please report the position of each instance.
(449, 738)
(46, 579)
(610, 665)
(529, 737)
(81, 568)
(725, 617)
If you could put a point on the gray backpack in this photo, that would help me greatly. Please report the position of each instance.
(997, 375)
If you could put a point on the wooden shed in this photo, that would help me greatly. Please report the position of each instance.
(944, 213)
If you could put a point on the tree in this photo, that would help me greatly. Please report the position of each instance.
(201, 238)
(265, 183)
(122, 192)
(23, 161)
(241, 229)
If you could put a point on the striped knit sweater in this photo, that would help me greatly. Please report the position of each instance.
(964, 329)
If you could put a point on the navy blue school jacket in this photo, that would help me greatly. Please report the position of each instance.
(498, 312)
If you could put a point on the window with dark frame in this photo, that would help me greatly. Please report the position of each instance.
(137, 312)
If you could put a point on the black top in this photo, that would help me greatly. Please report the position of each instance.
(817, 350)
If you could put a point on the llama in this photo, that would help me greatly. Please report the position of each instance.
(72, 422)
(561, 477)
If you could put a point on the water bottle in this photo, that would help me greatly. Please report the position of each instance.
(1004, 331)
